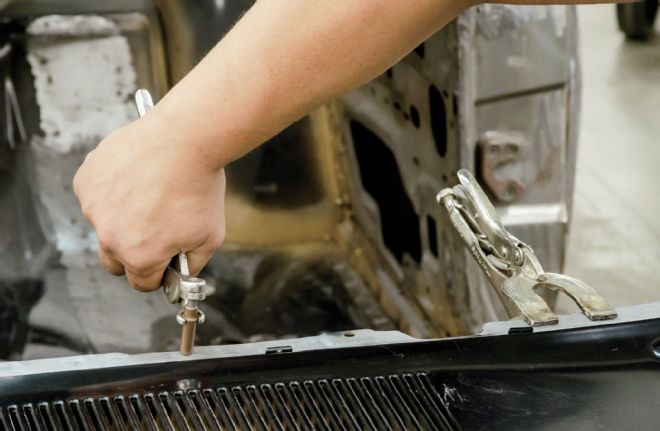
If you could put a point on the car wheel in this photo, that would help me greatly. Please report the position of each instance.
(636, 19)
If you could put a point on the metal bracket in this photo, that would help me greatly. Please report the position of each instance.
(498, 148)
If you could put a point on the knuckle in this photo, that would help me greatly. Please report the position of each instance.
(140, 263)
(218, 239)
(86, 210)
(106, 246)
(143, 286)
(144, 283)
(107, 241)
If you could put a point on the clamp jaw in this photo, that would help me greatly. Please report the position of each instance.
(180, 287)
(509, 264)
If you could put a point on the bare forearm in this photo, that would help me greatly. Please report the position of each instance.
(144, 188)
(283, 59)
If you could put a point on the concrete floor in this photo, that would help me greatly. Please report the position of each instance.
(615, 237)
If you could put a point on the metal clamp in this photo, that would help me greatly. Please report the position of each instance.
(497, 149)
(509, 264)
(178, 285)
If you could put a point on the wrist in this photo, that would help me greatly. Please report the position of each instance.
(180, 133)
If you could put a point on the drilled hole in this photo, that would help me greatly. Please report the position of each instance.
(438, 120)
(414, 116)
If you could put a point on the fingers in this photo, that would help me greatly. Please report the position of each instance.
(111, 265)
(142, 280)
(199, 257)
(145, 282)
(197, 260)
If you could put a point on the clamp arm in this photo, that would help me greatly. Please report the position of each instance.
(510, 265)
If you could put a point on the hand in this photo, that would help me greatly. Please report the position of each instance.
(148, 198)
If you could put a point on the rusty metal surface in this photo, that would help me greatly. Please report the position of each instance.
(333, 223)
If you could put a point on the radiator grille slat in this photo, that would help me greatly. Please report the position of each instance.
(111, 412)
(394, 402)
(373, 414)
(159, 411)
(282, 412)
(126, 413)
(399, 407)
(345, 416)
(272, 422)
(382, 399)
(187, 406)
(246, 405)
(66, 417)
(326, 407)
(202, 405)
(299, 418)
(219, 409)
(4, 425)
(145, 418)
(302, 411)
(80, 416)
(231, 406)
(434, 404)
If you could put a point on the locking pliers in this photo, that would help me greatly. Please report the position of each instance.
(510, 265)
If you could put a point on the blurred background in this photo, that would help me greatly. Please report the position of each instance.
(614, 241)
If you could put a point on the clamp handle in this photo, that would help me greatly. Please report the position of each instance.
(510, 266)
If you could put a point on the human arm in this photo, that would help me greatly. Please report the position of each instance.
(156, 186)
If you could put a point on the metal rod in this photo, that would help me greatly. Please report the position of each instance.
(188, 331)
